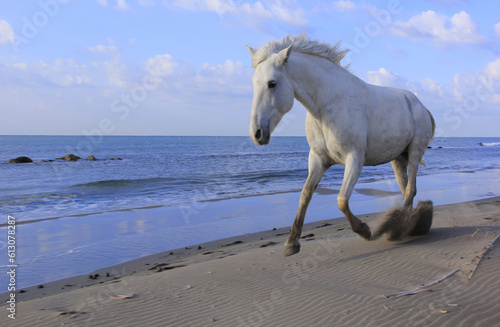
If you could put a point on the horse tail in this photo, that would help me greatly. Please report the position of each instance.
(422, 162)
(433, 122)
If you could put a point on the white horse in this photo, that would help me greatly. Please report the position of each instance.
(349, 122)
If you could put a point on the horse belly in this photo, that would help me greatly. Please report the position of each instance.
(390, 125)
(374, 158)
(387, 142)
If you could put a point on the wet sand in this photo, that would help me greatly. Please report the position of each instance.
(54, 249)
(337, 279)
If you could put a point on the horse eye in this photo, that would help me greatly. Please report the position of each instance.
(271, 84)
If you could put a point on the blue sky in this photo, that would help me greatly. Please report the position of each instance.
(180, 67)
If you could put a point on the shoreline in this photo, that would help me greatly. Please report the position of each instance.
(325, 190)
(56, 249)
(329, 248)
(226, 246)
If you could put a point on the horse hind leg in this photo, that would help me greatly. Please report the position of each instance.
(414, 159)
(421, 217)
(400, 166)
(405, 221)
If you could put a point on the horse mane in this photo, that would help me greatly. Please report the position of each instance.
(301, 44)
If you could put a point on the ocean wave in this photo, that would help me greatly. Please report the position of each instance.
(249, 154)
(111, 183)
(489, 143)
(133, 183)
(26, 201)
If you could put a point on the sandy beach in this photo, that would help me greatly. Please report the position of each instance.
(250, 163)
(337, 279)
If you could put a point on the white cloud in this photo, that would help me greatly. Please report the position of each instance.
(113, 71)
(146, 3)
(433, 87)
(251, 15)
(62, 72)
(17, 77)
(483, 85)
(164, 65)
(110, 72)
(462, 106)
(179, 78)
(229, 78)
(288, 11)
(344, 5)
(21, 66)
(176, 95)
(217, 6)
(121, 5)
(174, 77)
(460, 28)
(465, 106)
(257, 15)
(396, 52)
(6, 32)
(109, 50)
(383, 77)
(497, 30)
(43, 75)
(491, 72)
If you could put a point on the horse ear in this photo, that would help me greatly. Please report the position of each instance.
(252, 50)
(282, 57)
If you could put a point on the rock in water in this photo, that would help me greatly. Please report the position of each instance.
(20, 160)
(91, 158)
(71, 157)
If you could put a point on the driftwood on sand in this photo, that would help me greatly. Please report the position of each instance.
(423, 288)
(486, 249)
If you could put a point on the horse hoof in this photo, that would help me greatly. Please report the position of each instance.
(365, 232)
(291, 249)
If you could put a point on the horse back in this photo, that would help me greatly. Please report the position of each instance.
(397, 121)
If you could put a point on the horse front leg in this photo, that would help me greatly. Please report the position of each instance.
(351, 174)
(316, 171)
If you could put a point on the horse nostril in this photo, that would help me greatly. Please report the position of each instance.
(258, 134)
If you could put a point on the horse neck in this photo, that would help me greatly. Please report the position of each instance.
(318, 82)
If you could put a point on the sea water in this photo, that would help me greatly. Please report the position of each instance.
(170, 192)
(170, 171)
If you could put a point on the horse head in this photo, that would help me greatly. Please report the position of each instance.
(273, 95)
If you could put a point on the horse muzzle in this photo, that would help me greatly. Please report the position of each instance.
(261, 136)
